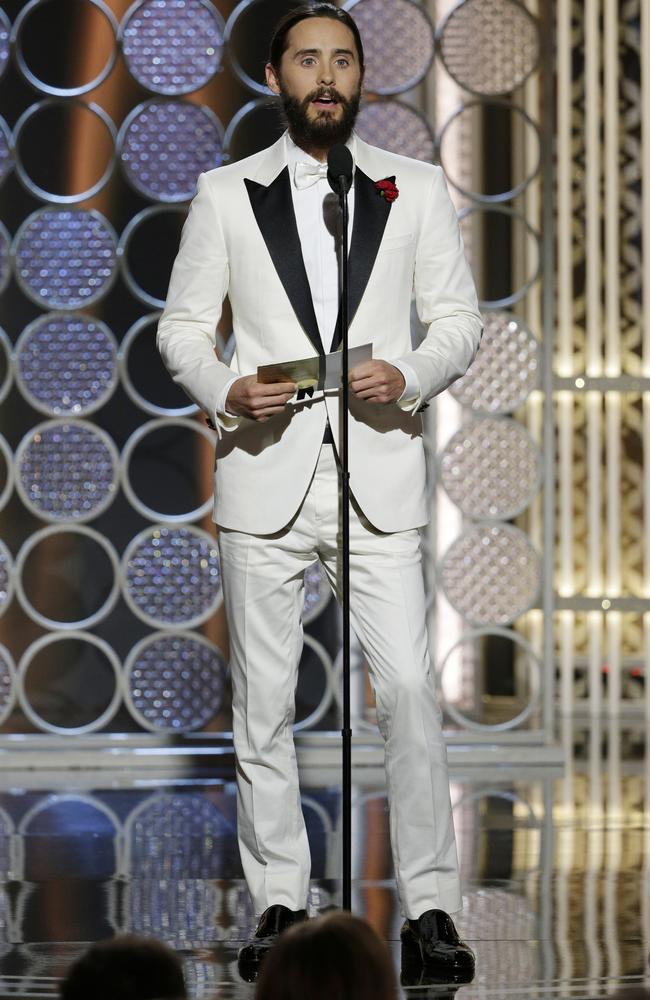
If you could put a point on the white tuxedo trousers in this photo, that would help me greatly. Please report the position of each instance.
(263, 594)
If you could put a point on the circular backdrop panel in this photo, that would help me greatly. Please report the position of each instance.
(172, 46)
(396, 127)
(67, 470)
(489, 47)
(66, 363)
(65, 258)
(491, 468)
(491, 574)
(164, 146)
(5, 41)
(171, 576)
(506, 369)
(175, 682)
(398, 43)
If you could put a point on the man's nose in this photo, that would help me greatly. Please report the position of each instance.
(327, 76)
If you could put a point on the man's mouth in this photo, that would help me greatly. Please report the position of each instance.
(325, 101)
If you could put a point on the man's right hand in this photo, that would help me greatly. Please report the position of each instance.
(252, 399)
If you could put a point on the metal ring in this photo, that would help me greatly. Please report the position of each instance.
(536, 678)
(5, 131)
(518, 188)
(257, 104)
(519, 293)
(127, 453)
(9, 563)
(72, 529)
(123, 247)
(239, 71)
(5, 26)
(6, 245)
(54, 799)
(47, 88)
(8, 708)
(8, 349)
(130, 389)
(23, 176)
(8, 456)
(321, 709)
(48, 640)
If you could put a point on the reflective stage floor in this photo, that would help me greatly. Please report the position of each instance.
(556, 867)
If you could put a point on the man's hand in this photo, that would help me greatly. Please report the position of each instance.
(377, 382)
(252, 399)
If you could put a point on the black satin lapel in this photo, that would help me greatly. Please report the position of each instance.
(371, 213)
(273, 210)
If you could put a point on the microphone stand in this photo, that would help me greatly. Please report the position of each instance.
(346, 731)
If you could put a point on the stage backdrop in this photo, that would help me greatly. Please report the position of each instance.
(112, 620)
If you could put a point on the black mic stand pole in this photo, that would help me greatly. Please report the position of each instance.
(346, 732)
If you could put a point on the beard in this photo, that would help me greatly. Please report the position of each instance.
(325, 130)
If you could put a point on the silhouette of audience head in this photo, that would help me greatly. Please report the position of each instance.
(125, 968)
(335, 957)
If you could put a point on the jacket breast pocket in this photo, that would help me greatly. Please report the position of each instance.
(396, 242)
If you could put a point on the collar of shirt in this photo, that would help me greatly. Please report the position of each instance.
(294, 154)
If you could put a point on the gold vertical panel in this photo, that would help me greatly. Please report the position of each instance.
(603, 427)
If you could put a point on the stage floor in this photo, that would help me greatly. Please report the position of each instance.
(556, 870)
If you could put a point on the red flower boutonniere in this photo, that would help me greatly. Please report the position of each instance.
(388, 189)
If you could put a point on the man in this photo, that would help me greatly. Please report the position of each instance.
(259, 231)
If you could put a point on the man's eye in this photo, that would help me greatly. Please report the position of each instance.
(307, 61)
(343, 62)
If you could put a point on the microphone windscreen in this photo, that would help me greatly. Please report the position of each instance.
(339, 164)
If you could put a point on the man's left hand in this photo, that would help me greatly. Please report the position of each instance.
(377, 382)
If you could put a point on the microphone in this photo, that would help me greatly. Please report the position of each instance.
(339, 169)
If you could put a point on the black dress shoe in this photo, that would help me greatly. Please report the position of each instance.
(432, 942)
(271, 924)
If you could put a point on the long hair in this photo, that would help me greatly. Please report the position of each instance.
(303, 12)
(336, 957)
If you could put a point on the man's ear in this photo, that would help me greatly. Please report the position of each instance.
(272, 80)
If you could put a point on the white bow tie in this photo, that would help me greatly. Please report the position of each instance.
(307, 174)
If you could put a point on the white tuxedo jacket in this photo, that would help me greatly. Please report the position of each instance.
(241, 240)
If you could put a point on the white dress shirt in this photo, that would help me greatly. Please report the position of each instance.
(314, 206)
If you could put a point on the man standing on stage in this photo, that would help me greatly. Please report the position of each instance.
(260, 232)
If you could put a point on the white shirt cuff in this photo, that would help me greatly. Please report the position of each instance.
(411, 393)
(222, 417)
